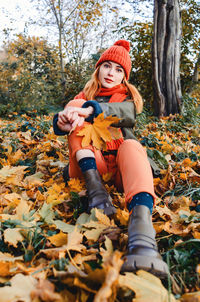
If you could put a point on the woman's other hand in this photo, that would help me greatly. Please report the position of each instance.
(71, 117)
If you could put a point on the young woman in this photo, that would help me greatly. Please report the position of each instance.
(108, 91)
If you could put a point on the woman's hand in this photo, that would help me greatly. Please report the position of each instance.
(71, 117)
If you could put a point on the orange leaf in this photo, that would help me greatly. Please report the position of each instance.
(75, 185)
(58, 239)
(99, 132)
(4, 268)
(191, 297)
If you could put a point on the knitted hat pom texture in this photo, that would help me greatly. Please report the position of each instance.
(118, 53)
(123, 43)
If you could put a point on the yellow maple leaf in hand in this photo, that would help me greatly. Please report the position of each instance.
(100, 132)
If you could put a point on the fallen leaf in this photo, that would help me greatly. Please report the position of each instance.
(5, 268)
(63, 226)
(191, 297)
(45, 290)
(58, 239)
(78, 283)
(122, 216)
(13, 236)
(12, 175)
(16, 292)
(102, 218)
(146, 287)
(47, 213)
(108, 289)
(34, 179)
(75, 185)
(8, 257)
(74, 241)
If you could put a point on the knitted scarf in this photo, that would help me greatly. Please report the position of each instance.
(117, 93)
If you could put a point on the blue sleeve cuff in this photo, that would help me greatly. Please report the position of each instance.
(56, 129)
(97, 110)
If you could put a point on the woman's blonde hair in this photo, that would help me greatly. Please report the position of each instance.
(93, 87)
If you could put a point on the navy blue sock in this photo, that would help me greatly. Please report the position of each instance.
(87, 163)
(142, 198)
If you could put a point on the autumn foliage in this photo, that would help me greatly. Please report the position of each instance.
(62, 253)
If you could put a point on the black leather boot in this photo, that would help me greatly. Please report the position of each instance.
(97, 194)
(142, 248)
(66, 177)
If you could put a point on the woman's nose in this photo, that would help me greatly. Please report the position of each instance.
(110, 72)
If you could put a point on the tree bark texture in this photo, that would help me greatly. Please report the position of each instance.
(166, 57)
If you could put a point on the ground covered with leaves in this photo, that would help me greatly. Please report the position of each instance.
(52, 250)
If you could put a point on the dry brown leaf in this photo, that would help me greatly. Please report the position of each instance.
(20, 289)
(106, 253)
(102, 218)
(12, 175)
(12, 198)
(56, 194)
(74, 241)
(98, 133)
(146, 287)
(180, 229)
(75, 185)
(166, 214)
(34, 179)
(122, 216)
(5, 268)
(82, 285)
(58, 239)
(8, 257)
(79, 259)
(191, 297)
(22, 209)
(112, 268)
(181, 202)
(45, 290)
(158, 226)
(13, 236)
(68, 296)
(94, 233)
(196, 234)
(198, 269)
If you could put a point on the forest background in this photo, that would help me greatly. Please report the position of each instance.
(48, 240)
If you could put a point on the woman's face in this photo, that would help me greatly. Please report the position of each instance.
(110, 74)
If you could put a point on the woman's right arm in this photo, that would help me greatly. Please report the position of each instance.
(71, 117)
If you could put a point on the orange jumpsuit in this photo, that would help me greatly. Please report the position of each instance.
(130, 168)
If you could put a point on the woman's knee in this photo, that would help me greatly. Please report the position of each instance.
(130, 145)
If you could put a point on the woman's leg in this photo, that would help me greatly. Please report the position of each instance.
(135, 169)
(76, 152)
(137, 181)
(86, 163)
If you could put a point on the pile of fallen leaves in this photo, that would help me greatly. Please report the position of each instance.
(52, 250)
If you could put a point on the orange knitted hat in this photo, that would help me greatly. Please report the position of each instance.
(118, 53)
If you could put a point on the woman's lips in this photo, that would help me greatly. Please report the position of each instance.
(108, 80)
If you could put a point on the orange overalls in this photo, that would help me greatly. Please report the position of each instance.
(130, 167)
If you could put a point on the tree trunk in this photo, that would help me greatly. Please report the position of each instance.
(166, 57)
(195, 77)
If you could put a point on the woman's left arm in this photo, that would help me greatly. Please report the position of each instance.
(126, 111)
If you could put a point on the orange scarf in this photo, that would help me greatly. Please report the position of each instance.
(117, 93)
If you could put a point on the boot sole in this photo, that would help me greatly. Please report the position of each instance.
(152, 265)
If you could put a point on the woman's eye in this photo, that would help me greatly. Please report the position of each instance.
(106, 65)
(119, 70)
